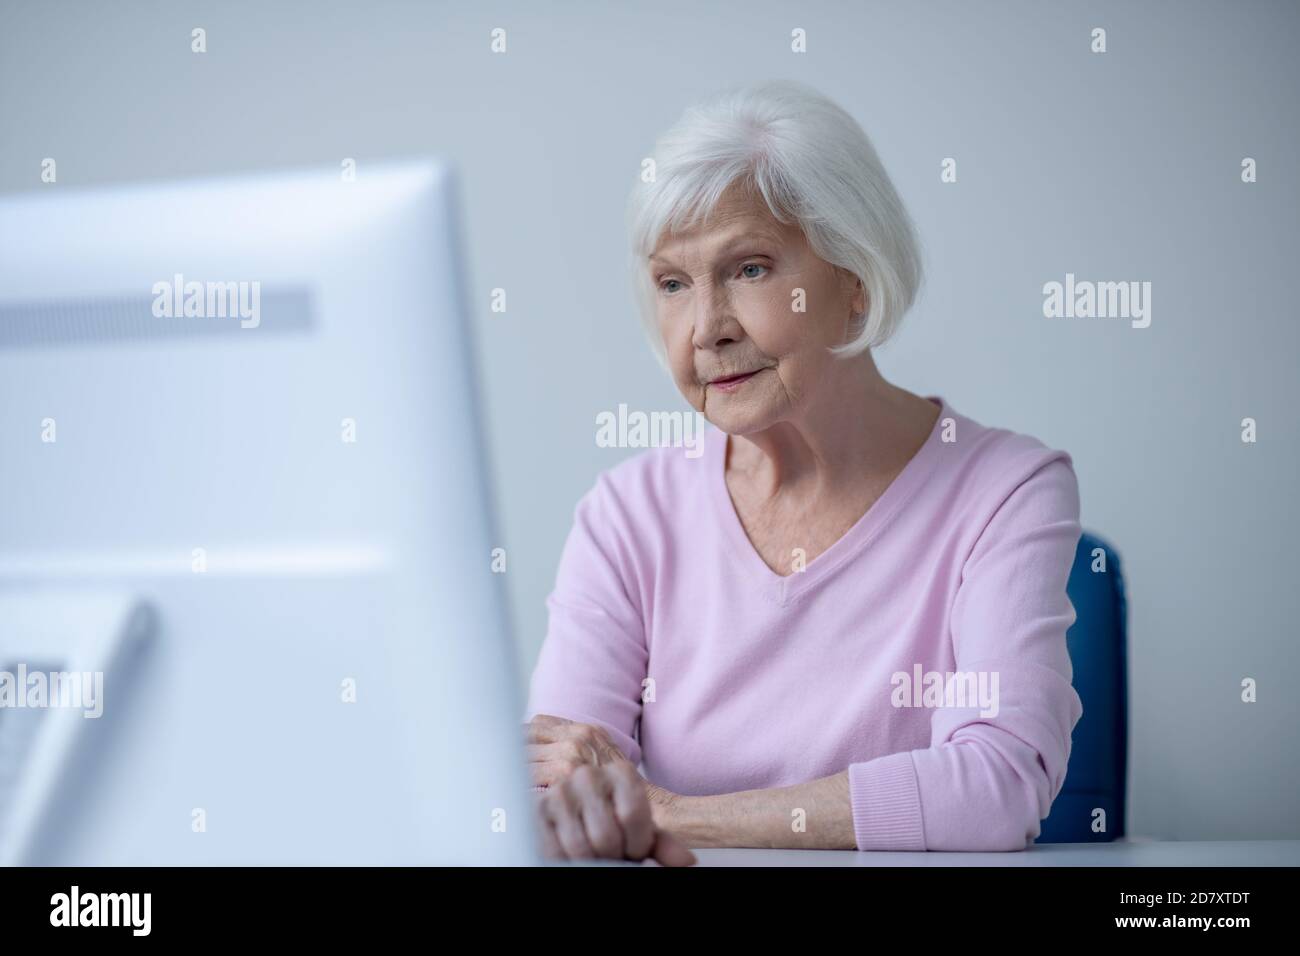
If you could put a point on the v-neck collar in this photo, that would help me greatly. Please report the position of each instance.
(782, 589)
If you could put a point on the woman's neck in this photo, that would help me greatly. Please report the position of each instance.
(857, 430)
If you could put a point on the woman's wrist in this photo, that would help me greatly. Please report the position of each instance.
(662, 805)
(690, 819)
(679, 815)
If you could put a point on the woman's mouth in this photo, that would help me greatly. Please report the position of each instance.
(733, 382)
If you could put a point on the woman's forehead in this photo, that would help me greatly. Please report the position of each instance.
(722, 230)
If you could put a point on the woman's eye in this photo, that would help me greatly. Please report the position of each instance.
(663, 286)
(752, 265)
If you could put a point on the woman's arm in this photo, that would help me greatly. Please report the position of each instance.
(817, 815)
(987, 780)
(593, 661)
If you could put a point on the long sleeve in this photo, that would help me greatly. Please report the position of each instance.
(594, 658)
(986, 782)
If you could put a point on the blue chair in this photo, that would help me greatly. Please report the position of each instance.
(1099, 750)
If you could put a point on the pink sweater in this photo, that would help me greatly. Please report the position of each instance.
(717, 675)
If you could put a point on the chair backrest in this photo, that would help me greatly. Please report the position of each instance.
(1095, 778)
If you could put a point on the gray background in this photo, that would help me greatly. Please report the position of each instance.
(1122, 166)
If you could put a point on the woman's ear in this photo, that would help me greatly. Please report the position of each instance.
(858, 301)
(855, 291)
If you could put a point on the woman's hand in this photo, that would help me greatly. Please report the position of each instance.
(557, 747)
(603, 811)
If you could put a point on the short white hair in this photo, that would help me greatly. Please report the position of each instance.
(812, 164)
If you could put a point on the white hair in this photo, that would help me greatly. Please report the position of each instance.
(812, 164)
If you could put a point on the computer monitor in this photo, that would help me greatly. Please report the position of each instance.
(242, 476)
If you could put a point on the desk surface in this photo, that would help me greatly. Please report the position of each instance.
(1137, 852)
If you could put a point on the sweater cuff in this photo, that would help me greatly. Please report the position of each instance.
(886, 803)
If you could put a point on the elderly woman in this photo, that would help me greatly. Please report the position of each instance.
(772, 631)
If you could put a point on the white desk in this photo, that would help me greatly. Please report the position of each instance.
(1120, 853)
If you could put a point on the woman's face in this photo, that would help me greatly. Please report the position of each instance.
(747, 311)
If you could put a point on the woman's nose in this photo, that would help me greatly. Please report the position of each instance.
(715, 323)
(714, 336)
